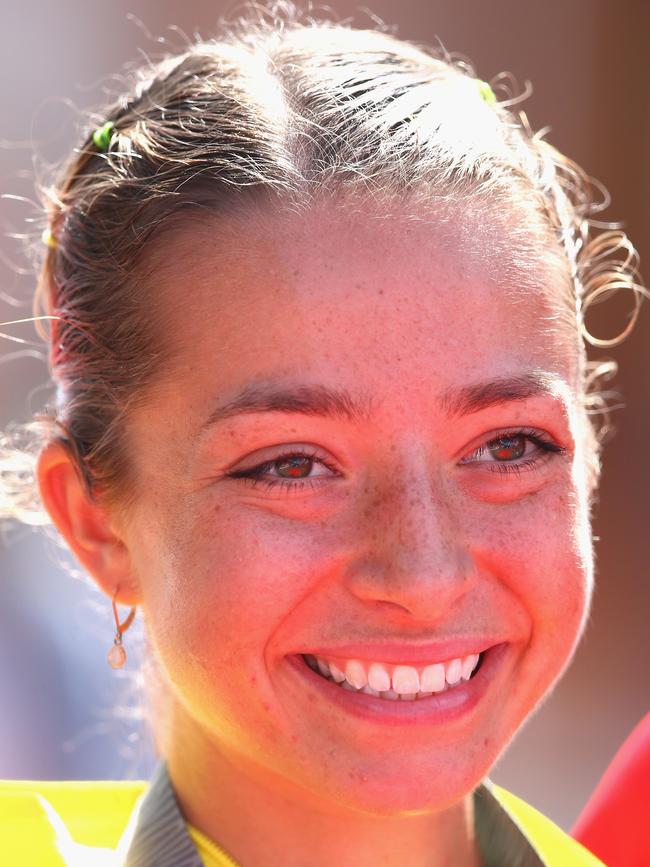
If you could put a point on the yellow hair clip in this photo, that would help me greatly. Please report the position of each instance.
(48, 239)
(486, 93)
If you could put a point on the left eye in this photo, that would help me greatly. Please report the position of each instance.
(293, 466)
(513, 451)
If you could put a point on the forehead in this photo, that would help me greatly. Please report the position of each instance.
(450, 276)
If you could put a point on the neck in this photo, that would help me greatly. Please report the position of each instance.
(227, 796)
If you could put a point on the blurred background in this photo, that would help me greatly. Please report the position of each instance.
(63, 712)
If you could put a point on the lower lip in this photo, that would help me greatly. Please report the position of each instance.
(450, 706)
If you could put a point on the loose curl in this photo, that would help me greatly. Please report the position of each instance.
(283, 109)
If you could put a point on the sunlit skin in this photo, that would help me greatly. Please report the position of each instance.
(418, 519)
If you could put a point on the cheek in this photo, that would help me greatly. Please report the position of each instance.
(231, 581)
(540, 550)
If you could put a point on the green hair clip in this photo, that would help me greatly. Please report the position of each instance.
(103, 135)
(486, 93)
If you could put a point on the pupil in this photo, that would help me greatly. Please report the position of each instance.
(295, 467)
(507, 448)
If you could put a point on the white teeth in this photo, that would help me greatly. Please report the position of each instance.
(378, 677)
(406, 683)
(355, 674)
(370, 691)
(406, 680)
(453, 671)
(433, 678)
(469, 664)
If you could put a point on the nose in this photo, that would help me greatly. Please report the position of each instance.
(411, 551)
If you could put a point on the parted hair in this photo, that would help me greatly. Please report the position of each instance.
(279, 110)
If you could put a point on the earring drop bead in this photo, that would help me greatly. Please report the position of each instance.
(116, 656)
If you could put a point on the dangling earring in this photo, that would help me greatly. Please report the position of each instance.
(117, 653)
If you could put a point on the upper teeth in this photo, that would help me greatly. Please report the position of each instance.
(379, 677)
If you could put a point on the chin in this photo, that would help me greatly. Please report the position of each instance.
(420, 787)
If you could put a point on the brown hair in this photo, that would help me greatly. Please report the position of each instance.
(278, 109)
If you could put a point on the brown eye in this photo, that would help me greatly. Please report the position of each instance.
(294, 467)
(507, 448)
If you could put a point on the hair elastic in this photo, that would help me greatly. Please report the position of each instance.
(486, 93)
(102, 136)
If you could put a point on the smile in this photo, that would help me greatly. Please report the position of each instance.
(396, 682)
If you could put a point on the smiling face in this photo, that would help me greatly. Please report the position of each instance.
(366, 446)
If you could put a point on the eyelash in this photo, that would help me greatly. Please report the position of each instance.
(546, 449)
(255, 475)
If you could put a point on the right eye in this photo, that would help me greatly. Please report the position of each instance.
(294, 469)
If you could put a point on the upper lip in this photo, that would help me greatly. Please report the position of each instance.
(396, 653)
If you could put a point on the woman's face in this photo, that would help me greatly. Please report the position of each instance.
(365, 446)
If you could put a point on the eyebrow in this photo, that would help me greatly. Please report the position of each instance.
(320, 400)
(483, 395)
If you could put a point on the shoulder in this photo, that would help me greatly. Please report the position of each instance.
(39, 820)
(555, 847)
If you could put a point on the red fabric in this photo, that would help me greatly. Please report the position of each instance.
(615, 823)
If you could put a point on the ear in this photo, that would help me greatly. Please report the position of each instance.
(86, 525)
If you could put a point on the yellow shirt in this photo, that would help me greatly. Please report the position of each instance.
(211, 854)
(91, 824)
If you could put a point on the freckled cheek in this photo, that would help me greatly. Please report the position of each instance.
(241, 579)
(538, 549)
(243, 587)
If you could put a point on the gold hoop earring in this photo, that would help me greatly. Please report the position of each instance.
(117, 653)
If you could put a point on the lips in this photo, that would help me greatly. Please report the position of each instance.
(447, 707)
